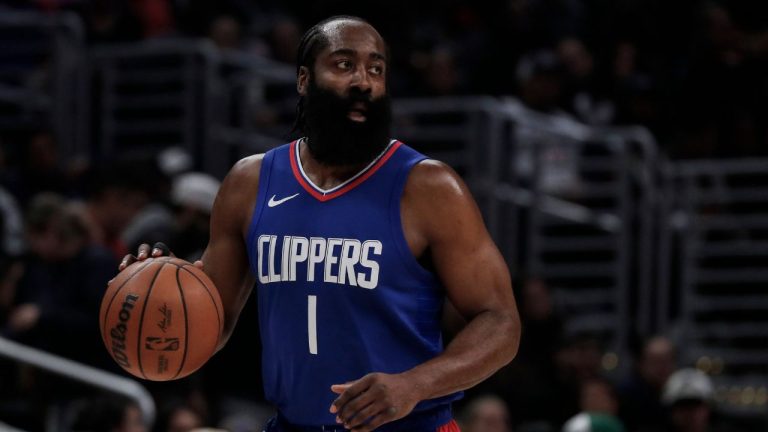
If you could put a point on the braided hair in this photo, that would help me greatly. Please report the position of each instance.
(313, 41)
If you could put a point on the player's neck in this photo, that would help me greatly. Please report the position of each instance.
(326, 176)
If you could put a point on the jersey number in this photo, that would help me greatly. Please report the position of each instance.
(312, 323)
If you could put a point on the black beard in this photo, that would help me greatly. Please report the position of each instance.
(334, 139)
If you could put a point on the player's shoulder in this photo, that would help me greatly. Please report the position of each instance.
(245, 172)
(438, 201)
(431, 176)
(247, 166)
(240, 186)
(242, 181)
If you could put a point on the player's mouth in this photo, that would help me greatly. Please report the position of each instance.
(357, 112)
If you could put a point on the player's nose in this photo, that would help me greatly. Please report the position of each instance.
(361, 79)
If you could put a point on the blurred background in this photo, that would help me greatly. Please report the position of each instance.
(617, 149)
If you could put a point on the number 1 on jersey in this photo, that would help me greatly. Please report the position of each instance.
(312, 323)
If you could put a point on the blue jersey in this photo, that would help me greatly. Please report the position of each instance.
(340, 294)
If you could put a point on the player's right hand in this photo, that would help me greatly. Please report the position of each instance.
(144, 252)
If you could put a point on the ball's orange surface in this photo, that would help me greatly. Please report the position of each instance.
(161, 318)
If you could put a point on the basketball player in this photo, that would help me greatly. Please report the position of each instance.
(353, 241)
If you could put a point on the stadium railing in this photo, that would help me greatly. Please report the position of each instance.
(251, 110)
(718, 221)
(185, 93)
(42, 75)
(81, 373)
(586, 188)
(151, 95)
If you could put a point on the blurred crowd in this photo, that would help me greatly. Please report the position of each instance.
(65, 228)
(564, 380)
(691, 71)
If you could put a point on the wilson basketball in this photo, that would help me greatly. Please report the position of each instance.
(161, 318)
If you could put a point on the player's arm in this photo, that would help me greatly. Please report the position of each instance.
(441, 217)
(476, 279)
(225, 260)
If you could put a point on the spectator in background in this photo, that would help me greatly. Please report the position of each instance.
(485, 414)
(598, 408)
(640, 393)
(117, 193)
(226, 32)
(722, 99)
(154, 221)
(56, 303)
(590, 422)
(37, 168)
(540, 81)
(192, 196)
(634, 90)
(284, 38)
(183, 223)
(543, 326)
(585, 94)
(689, 395)
(109, 413)
(177, 416)
(579, 360)
(597, 395)
(173, 161)
(439, 73)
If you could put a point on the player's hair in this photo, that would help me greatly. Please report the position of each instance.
(314, 41)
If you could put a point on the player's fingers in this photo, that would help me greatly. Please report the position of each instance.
(360, 418)
(385, 416)
(354, 389)
(351, 409)
(198, 264)
(143, 252)
(160, 249)
(127, 260)
(339, 388)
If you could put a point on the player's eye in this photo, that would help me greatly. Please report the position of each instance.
(344, 64)
(376, 70)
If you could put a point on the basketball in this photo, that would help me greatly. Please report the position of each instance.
(161, 318)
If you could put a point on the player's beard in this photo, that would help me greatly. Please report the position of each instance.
(333, 138)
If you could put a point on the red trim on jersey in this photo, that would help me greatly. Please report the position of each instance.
(451, 426)
(360, 177)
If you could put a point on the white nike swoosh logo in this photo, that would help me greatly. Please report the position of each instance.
(273, 202)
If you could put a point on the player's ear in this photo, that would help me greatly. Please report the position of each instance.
(301, 80)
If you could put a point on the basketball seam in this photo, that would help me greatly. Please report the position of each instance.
(186, 324)
(170, 260)
(215, 306)
(141, 319)
(117, 291)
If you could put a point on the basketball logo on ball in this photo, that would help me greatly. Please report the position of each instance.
(161, 318)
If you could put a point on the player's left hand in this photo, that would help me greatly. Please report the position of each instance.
(373, 400)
